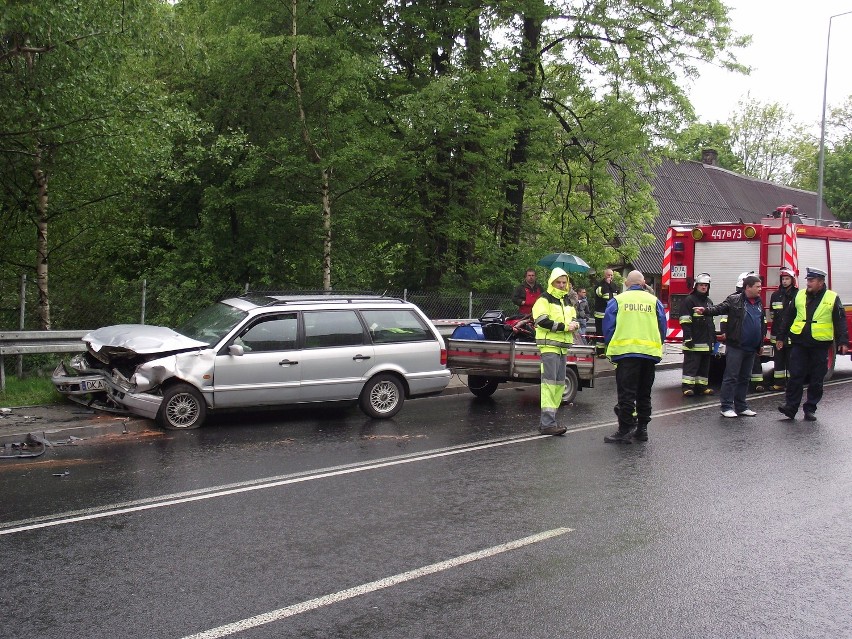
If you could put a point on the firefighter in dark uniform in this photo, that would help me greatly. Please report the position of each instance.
(603, 294)
(779, 303)
(699, 336)
(756, 381)
(815, 322)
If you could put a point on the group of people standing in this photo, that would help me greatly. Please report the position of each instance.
(805, 322)
(528, 291)
(633, 327)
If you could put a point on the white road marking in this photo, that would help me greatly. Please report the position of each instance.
(373, 586)
(262, 484)
(9, 528)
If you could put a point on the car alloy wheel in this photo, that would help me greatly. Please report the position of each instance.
(382, 396)
(183, 408)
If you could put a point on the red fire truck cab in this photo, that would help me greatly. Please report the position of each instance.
(724, 250)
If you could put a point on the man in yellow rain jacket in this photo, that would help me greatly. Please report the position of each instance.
(555, 323)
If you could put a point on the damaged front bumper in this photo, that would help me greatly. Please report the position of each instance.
(121, 391)
(142, 404)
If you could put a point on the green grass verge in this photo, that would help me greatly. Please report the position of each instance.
(30, 391)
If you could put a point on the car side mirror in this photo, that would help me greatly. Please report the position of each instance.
(236, 349)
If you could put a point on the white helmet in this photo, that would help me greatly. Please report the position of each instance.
(786, 270)
(742, 277)
(702, 278)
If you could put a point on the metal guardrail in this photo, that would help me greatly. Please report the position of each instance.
(31, 342)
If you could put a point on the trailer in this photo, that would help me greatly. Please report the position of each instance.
(488, 364)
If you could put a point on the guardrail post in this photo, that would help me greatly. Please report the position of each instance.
(470, 304)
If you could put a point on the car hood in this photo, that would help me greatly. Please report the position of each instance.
(127, 340)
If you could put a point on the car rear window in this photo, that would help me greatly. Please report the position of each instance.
(395, 326)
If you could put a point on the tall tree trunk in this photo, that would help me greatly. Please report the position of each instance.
(525, 97)
(41, 242)
(440, 181)
(314, 156)
(471, 148)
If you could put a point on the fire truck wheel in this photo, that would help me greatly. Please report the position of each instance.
(832, 360)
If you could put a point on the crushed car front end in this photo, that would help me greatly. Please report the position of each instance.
(142, 392)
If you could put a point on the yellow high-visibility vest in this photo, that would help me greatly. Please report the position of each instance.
(636, 328)
(822, 323)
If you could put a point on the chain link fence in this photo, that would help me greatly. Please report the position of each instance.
(82, 307)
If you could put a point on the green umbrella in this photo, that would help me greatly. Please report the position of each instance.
(566, 261)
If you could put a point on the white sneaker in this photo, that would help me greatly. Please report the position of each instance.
(748, 413)
(729, 413)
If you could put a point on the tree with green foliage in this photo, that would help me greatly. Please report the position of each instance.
(80, 122)
(691, 143)
(765, 138)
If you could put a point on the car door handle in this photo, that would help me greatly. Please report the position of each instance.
(286, 362)
(360, 358)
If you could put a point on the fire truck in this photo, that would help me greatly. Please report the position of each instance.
(724, 250)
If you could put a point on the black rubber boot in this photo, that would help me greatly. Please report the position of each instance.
(620, 437)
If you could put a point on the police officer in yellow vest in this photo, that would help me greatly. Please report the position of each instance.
(814, 322)
(634, 327)
(555, 323)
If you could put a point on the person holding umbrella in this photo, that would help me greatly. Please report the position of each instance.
(555, 325)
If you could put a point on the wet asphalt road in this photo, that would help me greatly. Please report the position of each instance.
(334, 525)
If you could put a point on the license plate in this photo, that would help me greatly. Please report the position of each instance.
(679, 272)
(95, 385)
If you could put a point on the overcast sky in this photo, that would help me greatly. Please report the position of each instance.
(788, 59)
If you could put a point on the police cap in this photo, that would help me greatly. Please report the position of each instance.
(815, 272)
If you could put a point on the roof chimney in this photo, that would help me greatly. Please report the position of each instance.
(710, 156)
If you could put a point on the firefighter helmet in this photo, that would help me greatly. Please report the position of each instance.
(788, 272)
(701, 278)
(742, 277)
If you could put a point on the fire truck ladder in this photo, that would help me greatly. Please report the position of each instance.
(773, 245)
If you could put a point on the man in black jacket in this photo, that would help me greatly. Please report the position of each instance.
(756, 382)
(699, 335)
(780, 301)
(745, 330)
(814, 322)
(605, 291)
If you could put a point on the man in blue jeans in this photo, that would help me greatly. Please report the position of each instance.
(745, 331)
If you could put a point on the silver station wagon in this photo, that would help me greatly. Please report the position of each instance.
(254, 351)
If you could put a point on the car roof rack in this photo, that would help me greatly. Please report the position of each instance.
(273, 298)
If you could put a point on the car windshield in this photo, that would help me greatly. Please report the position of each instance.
(213, 323)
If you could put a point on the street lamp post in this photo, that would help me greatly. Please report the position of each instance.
(822, 127)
